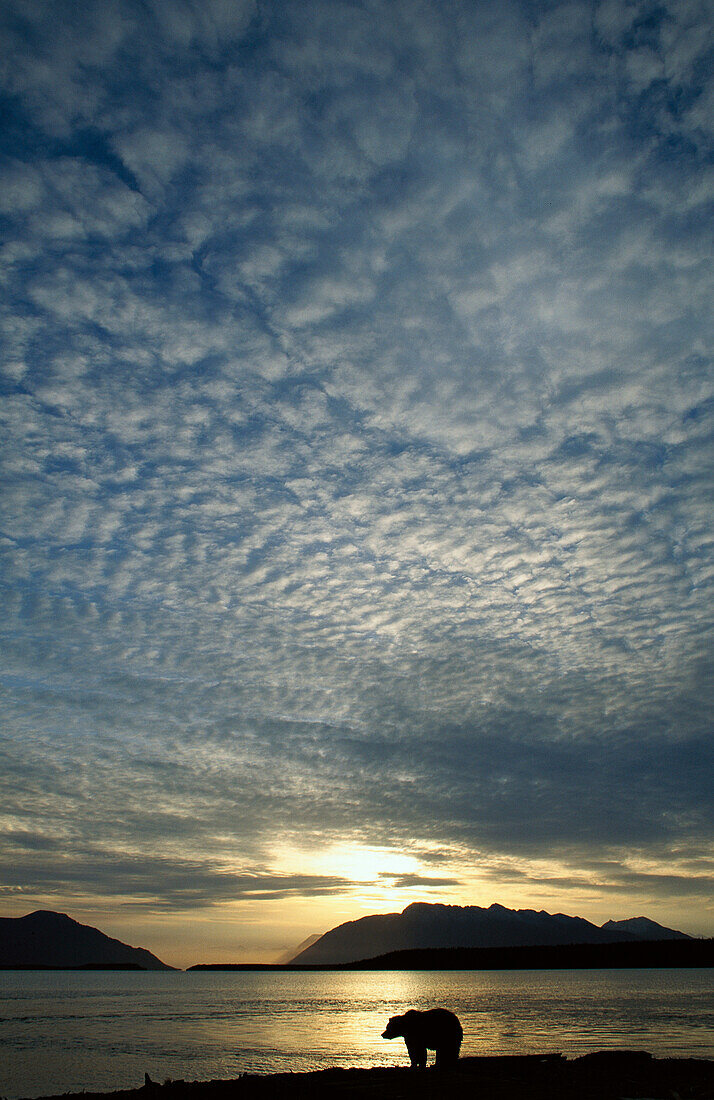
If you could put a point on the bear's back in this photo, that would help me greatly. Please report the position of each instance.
(440, 1019)
(435, 1023)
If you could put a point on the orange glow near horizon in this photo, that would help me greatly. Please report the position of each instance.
(367, 879)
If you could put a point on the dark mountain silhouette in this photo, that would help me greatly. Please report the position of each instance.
(47, 939)
(645, 929)
(422, 925)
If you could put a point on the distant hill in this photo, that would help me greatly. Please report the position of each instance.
(423, 926)
(645, 929)
(47, 939)
(287, 956)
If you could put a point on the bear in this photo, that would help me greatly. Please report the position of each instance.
(437, 1029)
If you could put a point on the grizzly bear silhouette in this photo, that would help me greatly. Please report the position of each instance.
(437, 1029)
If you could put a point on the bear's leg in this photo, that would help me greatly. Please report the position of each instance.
(447, 1055)
(417, 1054)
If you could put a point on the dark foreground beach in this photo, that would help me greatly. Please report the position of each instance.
(604, 1075)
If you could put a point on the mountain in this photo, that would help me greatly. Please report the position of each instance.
(422, 925)
(47, 939)
(645, 929)
(287, 956)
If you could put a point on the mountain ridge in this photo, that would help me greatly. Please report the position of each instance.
(45, 938)
(425, 925)
(644, 928)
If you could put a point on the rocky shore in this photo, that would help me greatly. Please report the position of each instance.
(603, 1075)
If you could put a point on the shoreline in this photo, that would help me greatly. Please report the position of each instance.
(642, 955)
(599, 1075)
(681, 954)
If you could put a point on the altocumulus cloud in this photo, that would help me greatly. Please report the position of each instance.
(357, 444)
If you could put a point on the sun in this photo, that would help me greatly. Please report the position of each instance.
(366, 865)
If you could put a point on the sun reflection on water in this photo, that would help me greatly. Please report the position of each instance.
(102, 1031)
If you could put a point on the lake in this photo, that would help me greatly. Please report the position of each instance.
(62, 1031)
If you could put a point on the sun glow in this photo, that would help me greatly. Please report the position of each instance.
(357, 865)
(367, 866)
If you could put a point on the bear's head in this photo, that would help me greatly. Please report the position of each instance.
(394, 1028)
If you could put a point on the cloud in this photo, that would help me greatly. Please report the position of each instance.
(421, 881)
(356, 436)
(131, 879)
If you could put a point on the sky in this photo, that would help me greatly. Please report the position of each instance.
(356, 506)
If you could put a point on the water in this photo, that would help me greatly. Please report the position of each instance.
(72, 1031)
